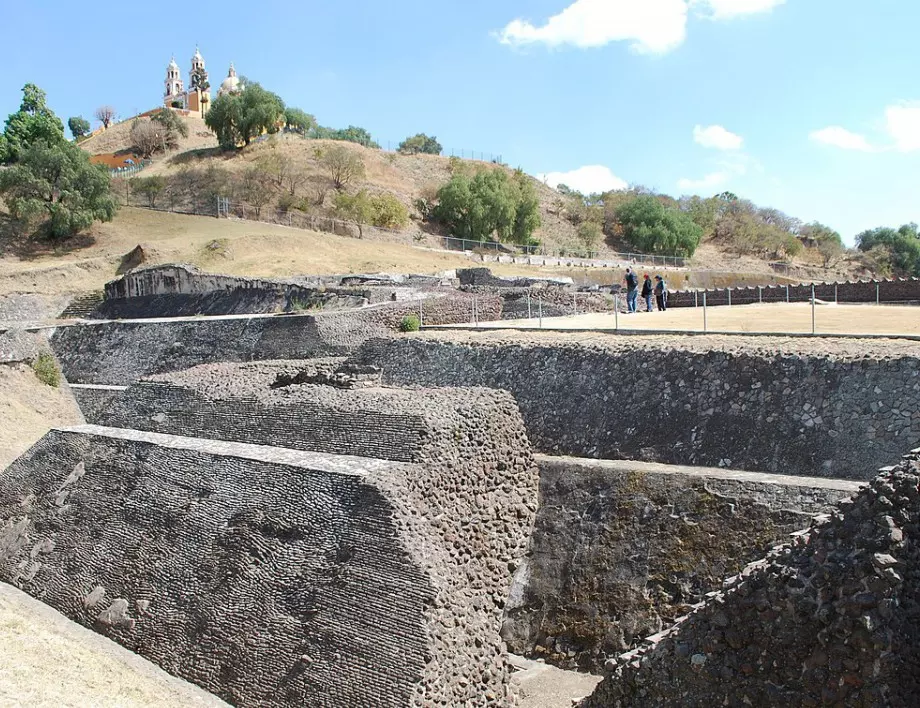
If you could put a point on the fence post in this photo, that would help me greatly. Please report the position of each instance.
(760, 294)
(421, 320)
(616, 312)
(835, 293)
(540, 308)
(787, 293)
(729, 296)
(705, 324)
(812, 308)
(877, 297)
(529, 316)
(696, 298)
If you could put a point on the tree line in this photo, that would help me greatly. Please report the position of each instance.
(48, 182)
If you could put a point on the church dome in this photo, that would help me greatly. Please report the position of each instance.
(231, 83)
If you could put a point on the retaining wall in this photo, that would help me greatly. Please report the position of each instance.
(830, 619)
(620, 549)
(889, 291)
(828, 408)
(121, 352)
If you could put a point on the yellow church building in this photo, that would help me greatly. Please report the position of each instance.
(197, 99)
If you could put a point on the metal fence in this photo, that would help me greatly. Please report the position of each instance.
(461, 244)
(130, 170)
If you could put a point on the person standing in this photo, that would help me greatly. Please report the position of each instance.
(661, 293)
(632, 291)
(647, 291)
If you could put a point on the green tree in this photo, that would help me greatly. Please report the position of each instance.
(357, 207)
(33, 122)
(344, 165)
(150, 187)
(827, 241)
(652, 227)
(237, 118)
(79, 126)
(54, 183)
(486, 203)
(589, 234)
(902, 246)
(354, 134)
(298, 121)
(421, 143)
(174, 125)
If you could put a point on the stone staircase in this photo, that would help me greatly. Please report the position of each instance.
(82, 306)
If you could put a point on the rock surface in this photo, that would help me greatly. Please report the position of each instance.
(831, 408)
(830, 619)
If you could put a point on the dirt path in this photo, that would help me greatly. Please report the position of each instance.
(544, 686)
(779, 318)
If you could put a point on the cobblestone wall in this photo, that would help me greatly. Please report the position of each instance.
(830, 619)
(621, 549)
(383, 585)
(828, 408)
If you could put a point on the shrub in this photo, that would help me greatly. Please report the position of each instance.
(388, 211)
(46, 370)
(410, 323)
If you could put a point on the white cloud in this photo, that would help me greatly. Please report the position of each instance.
(589, 179)
(903, 124)
(842, 138)
(727, 9)
(652, 26)
(709, 183)
(716, 137)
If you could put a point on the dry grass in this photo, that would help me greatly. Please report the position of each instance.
(50, 662)
(28, 409)
(118, 137)
(778, 318)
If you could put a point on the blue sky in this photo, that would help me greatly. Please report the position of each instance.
(804, 105)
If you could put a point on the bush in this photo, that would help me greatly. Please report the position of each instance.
(46, 370)
(410, 323)
(389, 212)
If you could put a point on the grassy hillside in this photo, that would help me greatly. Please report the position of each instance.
(407, 177)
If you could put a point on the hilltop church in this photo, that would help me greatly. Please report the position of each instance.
(197, 100)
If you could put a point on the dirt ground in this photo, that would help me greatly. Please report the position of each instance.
(778, 318)
(28, 409)
(544, 686)
(50, 662)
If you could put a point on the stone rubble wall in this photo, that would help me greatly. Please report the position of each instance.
(18, 346)
(899, 290)
(238, 301)
(118, 353)
(383, 586)
(822, 409)
(621, 549)
(830, 619)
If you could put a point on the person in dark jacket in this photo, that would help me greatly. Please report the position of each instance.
(661, 293)
(632, 291)
(647, 291)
